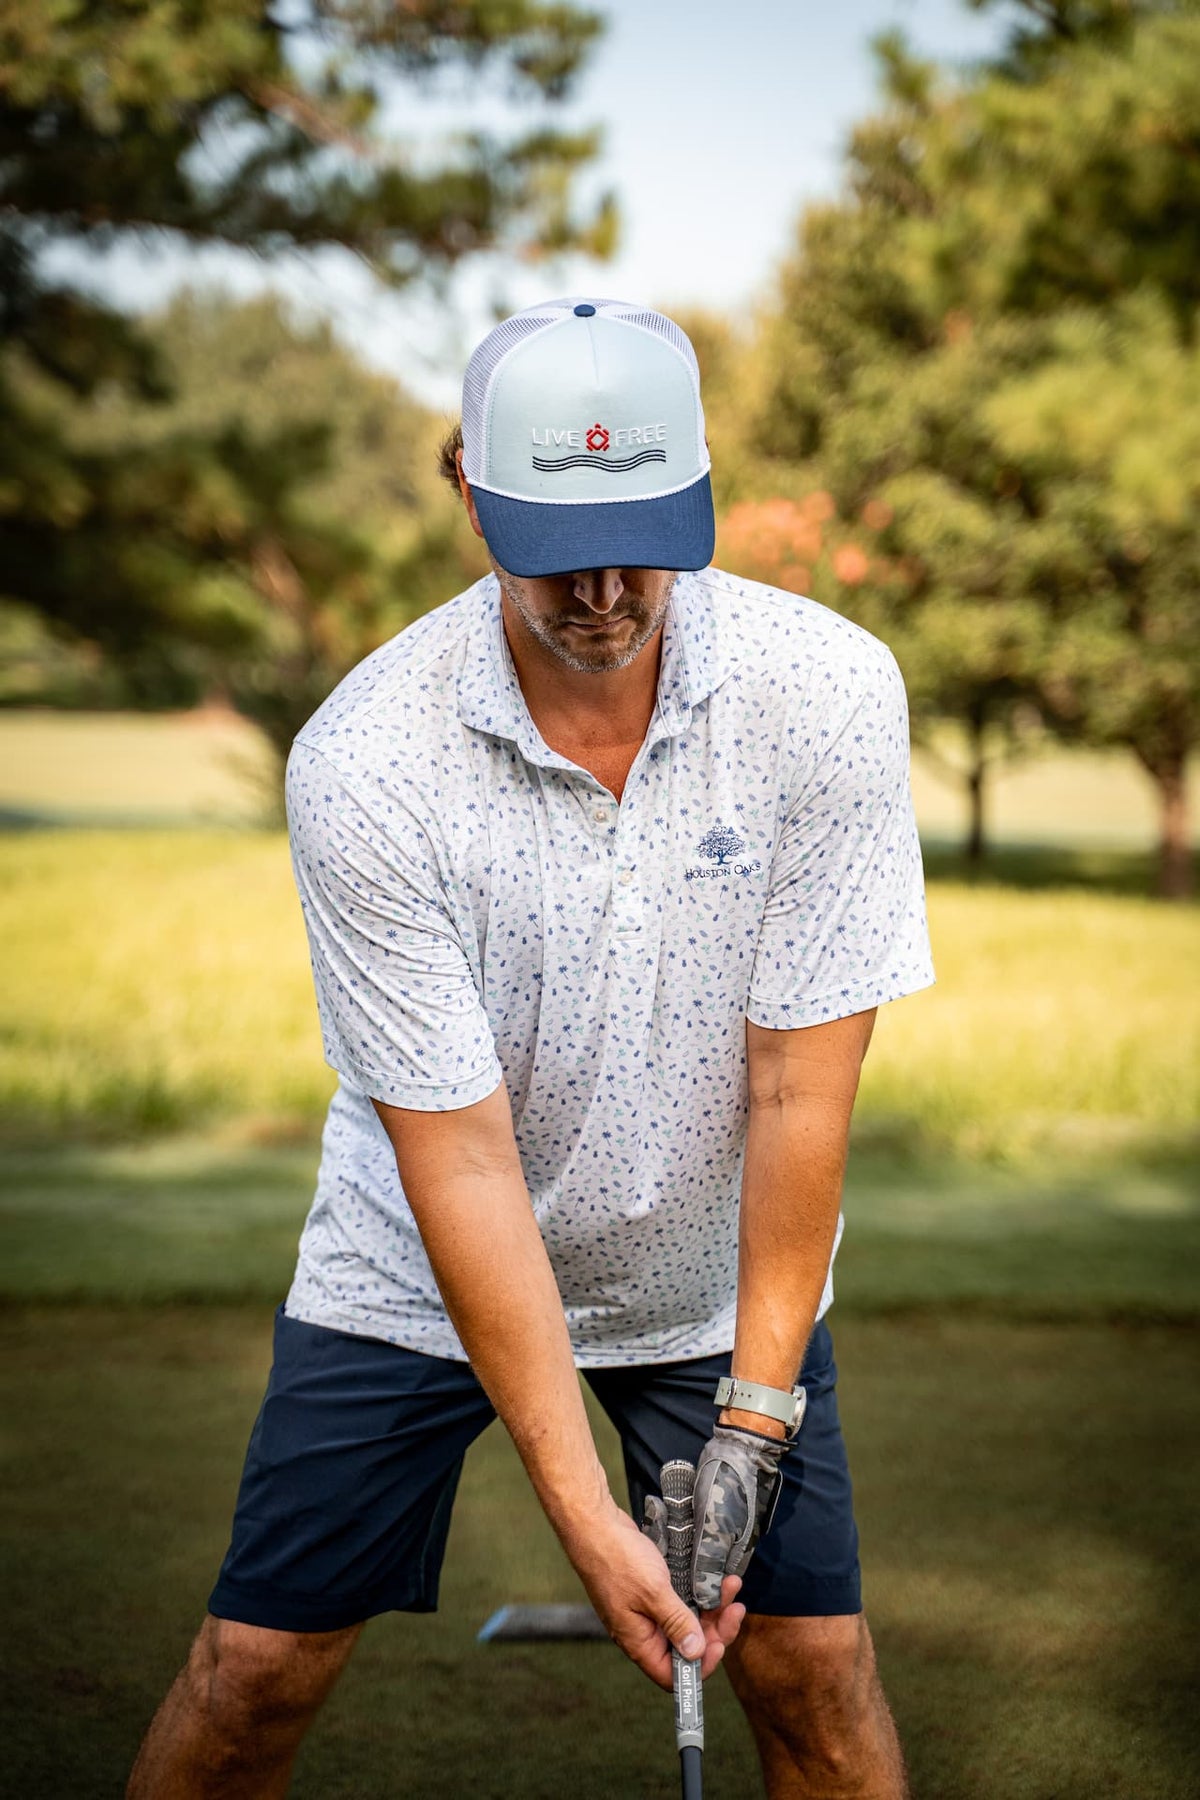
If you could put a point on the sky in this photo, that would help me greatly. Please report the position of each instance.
(722, 119)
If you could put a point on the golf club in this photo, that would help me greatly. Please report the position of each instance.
(552, 1624)
(677, 1481)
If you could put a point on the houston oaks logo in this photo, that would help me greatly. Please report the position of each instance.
(721, 846)
(590, 449)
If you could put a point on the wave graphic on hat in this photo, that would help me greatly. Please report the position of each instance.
(583, 441)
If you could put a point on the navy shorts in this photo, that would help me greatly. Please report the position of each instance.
(355, 1456)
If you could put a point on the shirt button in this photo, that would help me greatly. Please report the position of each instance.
(601, 815)
(625, 877)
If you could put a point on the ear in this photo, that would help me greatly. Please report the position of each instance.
(464, 488)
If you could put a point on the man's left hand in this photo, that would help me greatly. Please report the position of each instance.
(737, 1484)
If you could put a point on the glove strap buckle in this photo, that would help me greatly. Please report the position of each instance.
(772, 1403)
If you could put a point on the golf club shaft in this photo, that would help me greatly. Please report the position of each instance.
(691, 1764)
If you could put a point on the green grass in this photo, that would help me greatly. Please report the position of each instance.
(1094, 869)
(169, 1220)
(159, 981)
(1018, 1359)
(1017, 1319)
(154, 980)
(1025, 1495)
(191, 1219)
(1062, 1023)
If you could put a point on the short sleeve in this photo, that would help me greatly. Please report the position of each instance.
(400, 1009)
(844, 926)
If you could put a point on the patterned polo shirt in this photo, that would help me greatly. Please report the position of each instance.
(482, 910)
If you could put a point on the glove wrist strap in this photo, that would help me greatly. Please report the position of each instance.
(769, 1402)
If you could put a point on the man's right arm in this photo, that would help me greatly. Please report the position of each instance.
(463, 1180)
(402, 1020)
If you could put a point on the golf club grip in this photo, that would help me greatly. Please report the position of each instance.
(691, 1768)
(689, 1704)
(677, 1481)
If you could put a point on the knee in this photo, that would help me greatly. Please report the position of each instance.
(244, 1677)
(808, 1683)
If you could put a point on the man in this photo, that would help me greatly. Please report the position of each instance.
(605, 869)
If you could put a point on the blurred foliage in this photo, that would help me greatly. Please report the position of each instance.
(721, 351)
(366, 536)
(970, 420)
(228, 540)
(261, 363)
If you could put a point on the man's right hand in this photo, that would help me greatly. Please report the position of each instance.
(463, 1179)
(627, 1582)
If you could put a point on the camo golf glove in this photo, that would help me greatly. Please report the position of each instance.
(737, 1484)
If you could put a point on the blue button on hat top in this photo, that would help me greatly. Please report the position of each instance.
(584, 311)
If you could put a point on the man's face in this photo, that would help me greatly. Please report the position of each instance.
(593, 620)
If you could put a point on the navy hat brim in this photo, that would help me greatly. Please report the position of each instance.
(528, 538)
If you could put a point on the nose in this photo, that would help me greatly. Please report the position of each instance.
(600, 589)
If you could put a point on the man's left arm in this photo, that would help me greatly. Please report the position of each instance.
(843, 931)
(802, 1085)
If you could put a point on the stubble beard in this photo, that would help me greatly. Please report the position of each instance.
(551, 633)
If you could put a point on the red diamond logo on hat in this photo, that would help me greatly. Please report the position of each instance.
(597, 438)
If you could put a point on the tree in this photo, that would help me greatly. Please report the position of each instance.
(993, 226)
(1109, 430)
(721, 843)
(236, 124)
(337, 536)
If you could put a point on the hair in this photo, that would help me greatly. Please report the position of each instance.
(448, 449)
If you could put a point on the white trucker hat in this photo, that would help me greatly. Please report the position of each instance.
(583, 441)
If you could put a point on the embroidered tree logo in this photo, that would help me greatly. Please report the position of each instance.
(722, 841)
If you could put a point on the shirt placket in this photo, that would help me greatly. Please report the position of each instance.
(624, 833)
(635, 864)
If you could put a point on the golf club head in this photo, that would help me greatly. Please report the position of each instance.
(548, 1624)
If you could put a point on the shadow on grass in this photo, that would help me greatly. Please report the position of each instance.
(1114, 1241)
(167, 1220)
(1038, 866)
(1032, 867)
(178, 1220)
(32, 818)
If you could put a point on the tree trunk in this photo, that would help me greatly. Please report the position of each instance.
(976, 845)
(1174, 851)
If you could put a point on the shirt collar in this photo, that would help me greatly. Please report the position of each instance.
(697, 657)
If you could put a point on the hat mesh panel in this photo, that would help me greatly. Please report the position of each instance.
(480, 370)
(665, 328)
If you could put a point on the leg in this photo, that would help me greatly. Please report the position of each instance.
(342, 1513)
(803, 1666)
(231, 1725)
(811, 1691)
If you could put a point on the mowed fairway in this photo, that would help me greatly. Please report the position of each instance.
(1017, 1327)
(1025, 1494)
